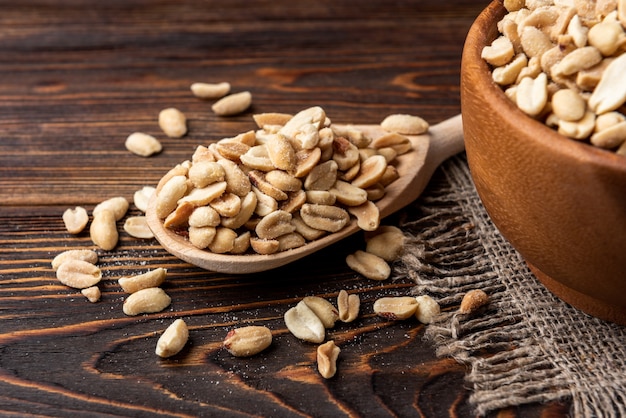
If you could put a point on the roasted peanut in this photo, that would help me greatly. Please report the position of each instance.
(89, 256)
(369, 265)
(472, 301)
(173, 122)
(247, 341)
(173, 339)
(304, 324)
(396, 308)
(151, 278)
(78, 274)
(327, 355)
(75, 220)
(142, 144)
(149, 300)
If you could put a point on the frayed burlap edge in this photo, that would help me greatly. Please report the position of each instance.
(525, 346)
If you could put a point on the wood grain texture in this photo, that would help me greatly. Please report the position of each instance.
(76, 77)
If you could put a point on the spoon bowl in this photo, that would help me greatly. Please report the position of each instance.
(415, 169)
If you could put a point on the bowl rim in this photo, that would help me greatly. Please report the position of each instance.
(484, 29)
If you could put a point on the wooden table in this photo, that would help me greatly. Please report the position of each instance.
(77, 78)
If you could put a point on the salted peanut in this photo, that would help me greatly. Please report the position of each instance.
(607, 36)
(369, 265)
(92, 293)
(304, 324)
(324, 310)
(142, 196)
(241, 243)
(508, 73)
(265, 204)
(550, 58)
(588, 79)
(400, 143)
(303, 121)
(327, 355)
(532, 94)
(565, 14)
(351, 173)
(348, 306)
(577, 60)
(210, 90)
(75, 220)
(283, 181)
(224, 240)
(180, 216)
(365, 153)
(151, 278)
(142, 144)
(281, 153)
(534, 42)
(396, 308)
(257, 179)
(150, 300)
(274, 225)
(610, 92)
(568, 105)
(137, 227)
(405, 124)
(290, 241)
(621, 12)
(173, 122)
(580, 129)
(387, 242)
(372, 170)
(391, 174)
(322, 177)
(577, 31)
(427, 309)
(117, 205)
(499, 53)
(345, 153)
(309, 233)
(178, 170)
(173, 339)
(367, 215)
(232, 104)
(103, 230)
(205, 195)
(204, 173)
(231, 150)
(306, 160)
(246, 210)
(90, 256)
(376, 192)
(514, 5)
(542, 17)
(78, 274)
(352, 134)
(227, 204)
(532, 70)
(294, 201)
(202, 153)
(201, 236)
(247, 341)
(324, 217)
(204, 216)
(257, 158)
(610, 137)
(237, 181)
(321, 197)
(273, 119)
(264, 246)
(348, 194)
(472, 301)
(167, 198)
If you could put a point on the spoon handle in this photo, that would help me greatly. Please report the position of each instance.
(446, 140)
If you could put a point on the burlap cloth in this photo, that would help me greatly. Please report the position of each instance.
(527, 346)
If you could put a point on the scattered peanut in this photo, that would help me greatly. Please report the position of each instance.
(396, 308)
(472, 301)
(304, 324)
(92, 293)
(117, 205)
(103, 230)
(210, 90)
(348, 306)
(247, 341)
(142, 196)
(405, 124)
(78, 274)
(152, 278)
(75, 220)
(324, 310)
(142, 144)
(427, 309)
(150, 300)
(369, 265)
(137, 226)
(327, 355)
(173, 122)
(387, 242)
(89, 256)
(173, 339)
(232, 104)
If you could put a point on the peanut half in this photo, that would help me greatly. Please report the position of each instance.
(173, 339)
(247, 341)
(327, 355)
(75, 220)
(150, 300)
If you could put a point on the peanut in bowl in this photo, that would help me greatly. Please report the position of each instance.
(560, 202)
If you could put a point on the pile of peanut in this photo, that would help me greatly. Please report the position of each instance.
(294, 180)
(563, 62)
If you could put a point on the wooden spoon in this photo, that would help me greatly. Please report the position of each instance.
(415, 168)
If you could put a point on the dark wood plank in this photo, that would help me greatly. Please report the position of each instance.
(76, 78)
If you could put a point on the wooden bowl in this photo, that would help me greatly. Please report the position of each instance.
(559, 202)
